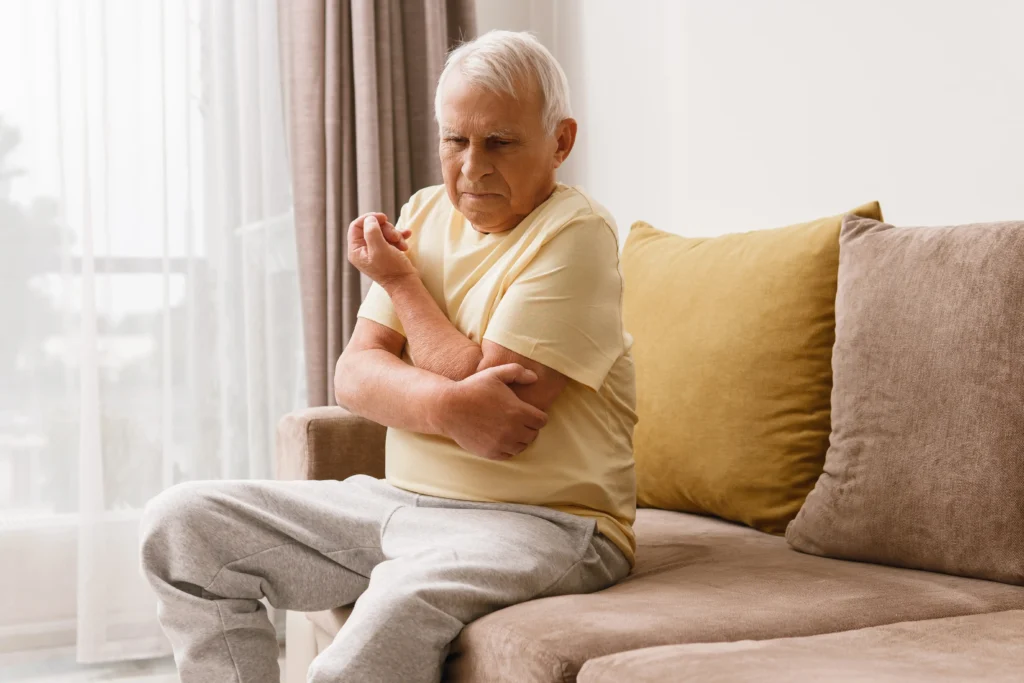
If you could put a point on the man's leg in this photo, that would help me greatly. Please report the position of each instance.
(447, 567)
(211, 550)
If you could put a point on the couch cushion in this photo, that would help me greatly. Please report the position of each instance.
(925, 468)
(699, 579)
(733, 350)
(985, 647)
(330, 621)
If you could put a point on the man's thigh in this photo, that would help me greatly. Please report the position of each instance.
(242, 538)
(474, 561)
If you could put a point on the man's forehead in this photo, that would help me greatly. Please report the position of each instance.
(495, 122)
(468, 107)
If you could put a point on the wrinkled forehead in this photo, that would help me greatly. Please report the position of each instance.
(479, 108)
(460, 123)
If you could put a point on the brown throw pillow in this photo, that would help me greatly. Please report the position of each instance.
(925, 467)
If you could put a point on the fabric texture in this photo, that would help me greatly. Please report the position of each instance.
(983, 647)
(549, 289)
(733, 353)
(328, 443)
(359, 80)
(417, 568)
(701, 580)
(926, 463)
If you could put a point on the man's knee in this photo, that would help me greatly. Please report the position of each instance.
(170, 521)
(321, 670)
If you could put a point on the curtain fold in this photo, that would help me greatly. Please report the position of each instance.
(359, 80)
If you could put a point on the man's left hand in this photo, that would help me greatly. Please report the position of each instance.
(374, 256)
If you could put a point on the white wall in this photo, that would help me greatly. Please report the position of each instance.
(709, 116)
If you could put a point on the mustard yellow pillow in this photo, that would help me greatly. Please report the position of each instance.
(733, 352)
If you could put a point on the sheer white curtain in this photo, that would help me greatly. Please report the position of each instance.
(149, 317)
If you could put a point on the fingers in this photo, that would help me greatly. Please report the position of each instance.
(526, 376)
(534, 418)
(514, 373)
(402, 237)
(512, 450)
(392, 235)
(508, 373)
(514, 443)
(355, 235)
(373, 234)
(525, 436)
(358, 223)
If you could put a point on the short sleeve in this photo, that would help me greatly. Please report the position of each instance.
(377, 307)
(564, 310)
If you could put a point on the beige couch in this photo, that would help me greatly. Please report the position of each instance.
(724, 602)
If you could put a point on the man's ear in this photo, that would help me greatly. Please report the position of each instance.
(565, 136)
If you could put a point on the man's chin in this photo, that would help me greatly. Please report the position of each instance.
(484, 221)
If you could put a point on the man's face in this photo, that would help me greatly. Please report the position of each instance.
(497, 158)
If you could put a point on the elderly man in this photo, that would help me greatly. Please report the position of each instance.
(491, 344)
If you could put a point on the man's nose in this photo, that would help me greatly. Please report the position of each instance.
(475, 164)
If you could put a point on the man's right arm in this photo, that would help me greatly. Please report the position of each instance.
(370, 369)
(480, 413)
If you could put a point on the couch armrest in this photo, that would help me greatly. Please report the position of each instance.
(328, 443)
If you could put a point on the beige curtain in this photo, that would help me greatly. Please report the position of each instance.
(359, 81)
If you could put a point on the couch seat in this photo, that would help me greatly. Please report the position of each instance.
(702, 580)
(980, 647)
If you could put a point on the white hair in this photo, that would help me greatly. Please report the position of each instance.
(503, 61)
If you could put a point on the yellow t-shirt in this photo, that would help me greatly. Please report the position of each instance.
(549, 289)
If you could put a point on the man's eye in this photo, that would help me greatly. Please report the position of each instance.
(456, 140)
(501, 143)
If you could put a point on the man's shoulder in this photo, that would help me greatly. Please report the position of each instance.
(577, 211)
(573, 199)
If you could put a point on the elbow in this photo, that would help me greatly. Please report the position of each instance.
(454, 366)
(342, 384)
(341, 399)
(468, 364)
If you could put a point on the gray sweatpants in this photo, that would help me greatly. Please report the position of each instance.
(421, 568)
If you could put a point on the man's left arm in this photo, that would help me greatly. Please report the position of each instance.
(434, 343)
(562, 318)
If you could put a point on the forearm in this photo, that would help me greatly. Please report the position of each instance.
(379, 386)
(434, 343)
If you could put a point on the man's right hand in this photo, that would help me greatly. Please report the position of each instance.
(484, 416)
(391, 233)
